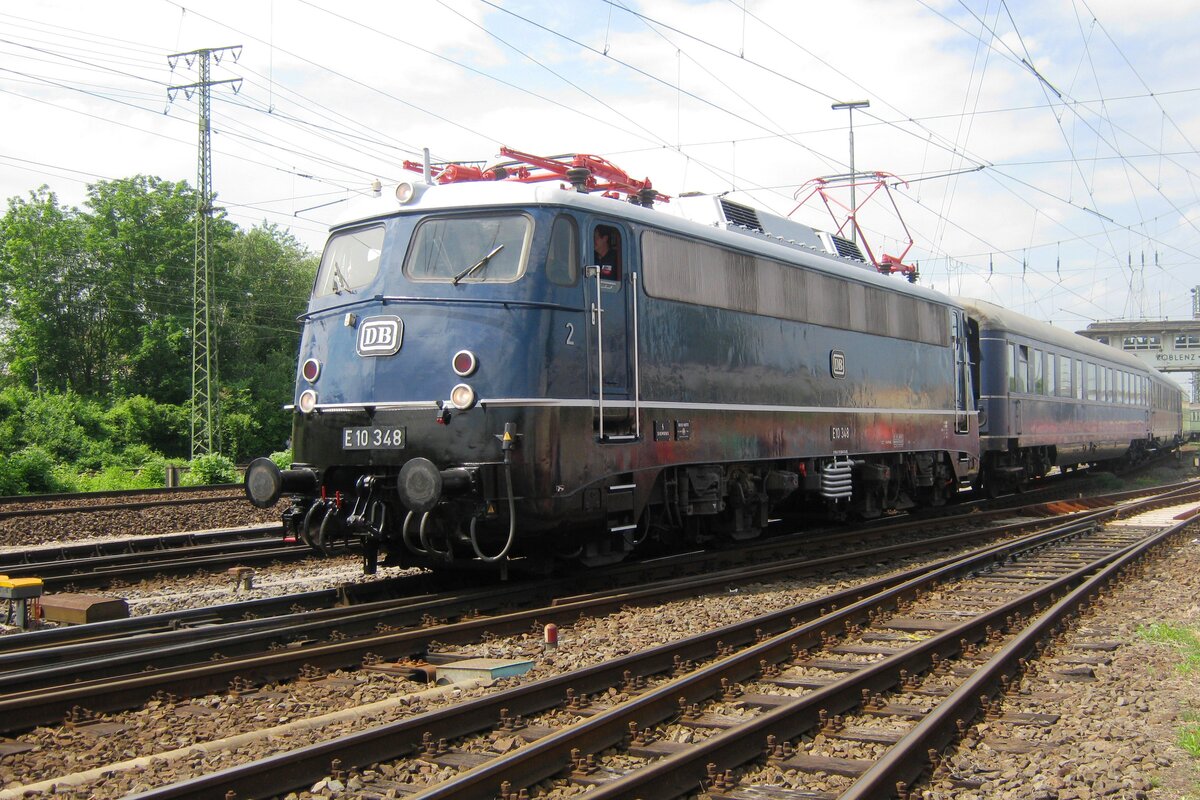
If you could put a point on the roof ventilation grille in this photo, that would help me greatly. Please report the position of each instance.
(741, 215)
(846, 248)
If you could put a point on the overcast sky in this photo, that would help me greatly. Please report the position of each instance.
(1049, 145)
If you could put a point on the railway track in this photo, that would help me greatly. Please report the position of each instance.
(38, 661)
(85, 502)
(214, 677)
(893, 670)
(42, 660)
(102, 564)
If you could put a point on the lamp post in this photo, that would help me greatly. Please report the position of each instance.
(850, 106)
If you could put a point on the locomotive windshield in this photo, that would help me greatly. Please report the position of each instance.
(470, 249)
(351, 261)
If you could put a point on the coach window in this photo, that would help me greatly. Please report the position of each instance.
(1091, 381)
(1108, 383)
(1064, 376)
(562, 257)
(1039, 383)
(1022, 368)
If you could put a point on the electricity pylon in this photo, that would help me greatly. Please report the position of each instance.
(204, 357)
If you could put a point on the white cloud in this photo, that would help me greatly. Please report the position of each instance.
(941, 85)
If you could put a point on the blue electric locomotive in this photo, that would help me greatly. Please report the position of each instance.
(1050, 398)
(492, 370)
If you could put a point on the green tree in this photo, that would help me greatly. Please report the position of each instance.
(96, 325)
(141, 235)
(47, 312)
(267, 279)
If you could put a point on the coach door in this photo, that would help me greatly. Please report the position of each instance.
(611, 296)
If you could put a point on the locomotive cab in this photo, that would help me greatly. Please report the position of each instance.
(445, 353)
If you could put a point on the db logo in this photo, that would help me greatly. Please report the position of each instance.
(380, 336)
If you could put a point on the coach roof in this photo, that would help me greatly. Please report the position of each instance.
(993, 316)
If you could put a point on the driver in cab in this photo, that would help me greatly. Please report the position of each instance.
(605, 253)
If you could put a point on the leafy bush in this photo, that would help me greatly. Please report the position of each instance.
(141, 421)
(209, 469)
(1105, 481)
(110, 479)
(239, 432)
(12, 400)
(62, 424)
(31, 470)
(282, 459)
(95, 455)
(153, 472)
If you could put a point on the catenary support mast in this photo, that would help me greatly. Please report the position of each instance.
(204, 356)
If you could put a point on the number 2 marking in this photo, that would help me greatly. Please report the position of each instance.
(571, 333)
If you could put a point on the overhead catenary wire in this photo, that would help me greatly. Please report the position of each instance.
(247, 130)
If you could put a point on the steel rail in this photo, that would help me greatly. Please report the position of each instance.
(16, 499)
(550, 755)
(46, 669)
(155, 542)
(171, 643)
(677, 774)
(904, 763)
(111, 564)
(133, 505)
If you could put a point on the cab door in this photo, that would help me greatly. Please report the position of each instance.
(611, 282)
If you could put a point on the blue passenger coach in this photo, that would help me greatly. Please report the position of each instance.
(1051, 398)
(494, 369)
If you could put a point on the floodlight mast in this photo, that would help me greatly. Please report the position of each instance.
(850, 106)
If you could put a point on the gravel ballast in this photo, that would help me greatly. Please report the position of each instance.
(1115, 736)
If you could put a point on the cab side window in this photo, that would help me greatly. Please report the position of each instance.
(606, 251)
(562, 258)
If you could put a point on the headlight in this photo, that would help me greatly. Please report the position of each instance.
(406, 192)
(462, 397)
(308, 401)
